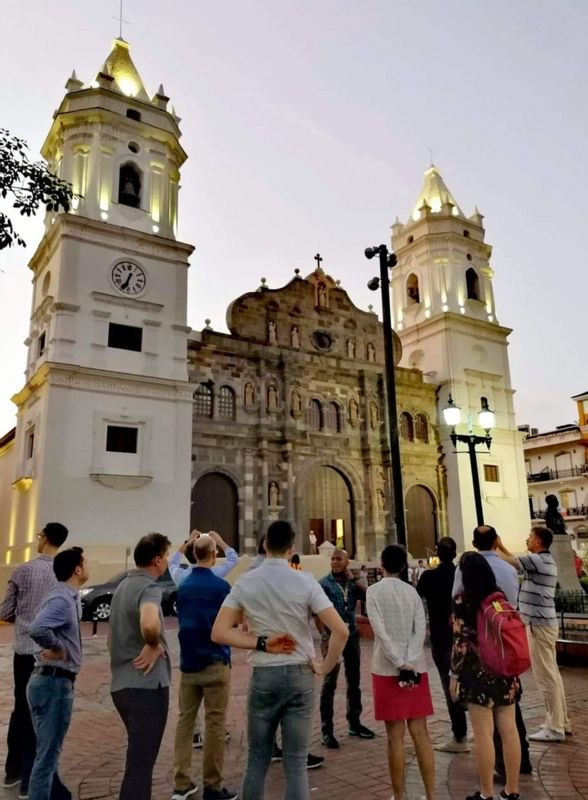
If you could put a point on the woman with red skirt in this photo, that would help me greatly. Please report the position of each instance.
(400, 683)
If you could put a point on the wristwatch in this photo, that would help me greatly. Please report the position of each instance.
(261, 644)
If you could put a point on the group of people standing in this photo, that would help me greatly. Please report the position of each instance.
(270, 611)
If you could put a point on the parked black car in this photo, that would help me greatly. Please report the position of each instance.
(96, 599)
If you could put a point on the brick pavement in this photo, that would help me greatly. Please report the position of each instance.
(94, 751)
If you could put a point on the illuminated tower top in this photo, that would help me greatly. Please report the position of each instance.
(119, 148)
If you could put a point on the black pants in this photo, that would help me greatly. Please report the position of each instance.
(442, 658)
(522, 731)
(351, 661)
(21, 735)
(144, 713)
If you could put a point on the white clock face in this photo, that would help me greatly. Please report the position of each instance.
(128, 277)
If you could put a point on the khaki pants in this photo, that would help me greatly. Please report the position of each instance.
(210, 684)
(542, 639)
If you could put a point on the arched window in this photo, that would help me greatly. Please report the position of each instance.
(333, 417)
(412, 290)
(421, 428)
(129, 185)
(203, 400)
(226, 402)
(406, 426)
(315, 415)
(472, 284)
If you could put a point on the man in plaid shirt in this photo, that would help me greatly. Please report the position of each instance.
(343, 592)
(28, 586)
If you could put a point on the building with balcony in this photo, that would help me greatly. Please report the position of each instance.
(557, 463)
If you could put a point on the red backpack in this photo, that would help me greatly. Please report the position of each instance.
(502, 639)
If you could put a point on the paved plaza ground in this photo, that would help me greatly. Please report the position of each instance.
(93, 757)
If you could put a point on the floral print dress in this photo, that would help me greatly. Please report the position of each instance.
(475, 684)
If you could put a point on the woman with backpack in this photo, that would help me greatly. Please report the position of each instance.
(489, 696)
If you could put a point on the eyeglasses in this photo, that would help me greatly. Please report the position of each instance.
(41, 535)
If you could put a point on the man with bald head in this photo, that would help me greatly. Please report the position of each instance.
(205, 668)
(343, 591)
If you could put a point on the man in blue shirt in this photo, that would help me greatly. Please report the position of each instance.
(180, 572)
(205, 668)
(58, 658)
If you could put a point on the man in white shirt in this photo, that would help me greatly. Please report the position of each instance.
(278, 603)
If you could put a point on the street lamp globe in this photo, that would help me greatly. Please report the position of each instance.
(486, 418)
(452, 413)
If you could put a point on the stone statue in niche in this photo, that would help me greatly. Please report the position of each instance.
(272, 397)
(321, 295)
(374, 415)
(272, 332)
(296, 402)
(249, 394)
(295, 336)
(274, 494)
(350, 348)
(381, 499)
(353, 411)
(371, 352)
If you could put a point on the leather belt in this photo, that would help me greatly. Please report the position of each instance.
(55, 672)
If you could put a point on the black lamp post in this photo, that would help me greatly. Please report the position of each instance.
(452, 416)
(387, 261)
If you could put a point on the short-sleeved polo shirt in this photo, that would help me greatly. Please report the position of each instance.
(137, 589)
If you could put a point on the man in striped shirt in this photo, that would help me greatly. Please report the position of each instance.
(537, 608)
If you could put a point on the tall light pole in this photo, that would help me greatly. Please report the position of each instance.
(452, 416)
(387, 261)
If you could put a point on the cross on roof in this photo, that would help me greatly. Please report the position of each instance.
(431, 154)
(318, 258)
(120, 20)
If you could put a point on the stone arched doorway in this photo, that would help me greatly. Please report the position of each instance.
(215, 507)
(327, 508)
(421, 522)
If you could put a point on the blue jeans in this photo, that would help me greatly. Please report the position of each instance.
(51, 703)
(279, 696)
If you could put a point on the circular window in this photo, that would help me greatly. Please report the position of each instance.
(469, 256)
(322, 340)
(46, 284)
(134, 147)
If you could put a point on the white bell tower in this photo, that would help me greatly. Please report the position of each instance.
(104, 419)
(443, 310)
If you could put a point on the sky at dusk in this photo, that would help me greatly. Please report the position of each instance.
(307, 126)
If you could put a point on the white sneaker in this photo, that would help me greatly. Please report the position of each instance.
(453, 746)
(547, 735)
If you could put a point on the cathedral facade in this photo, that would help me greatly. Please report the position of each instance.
(128, 421)
(289, 423)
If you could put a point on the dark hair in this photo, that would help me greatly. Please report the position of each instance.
(478, 580)
(65, 563)
(446, 549)
(149, 547)
(394, 559)
(279, 537)
(545, 536)
(55, 533)
(484, 537)
(295, 559)
(261, 551)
